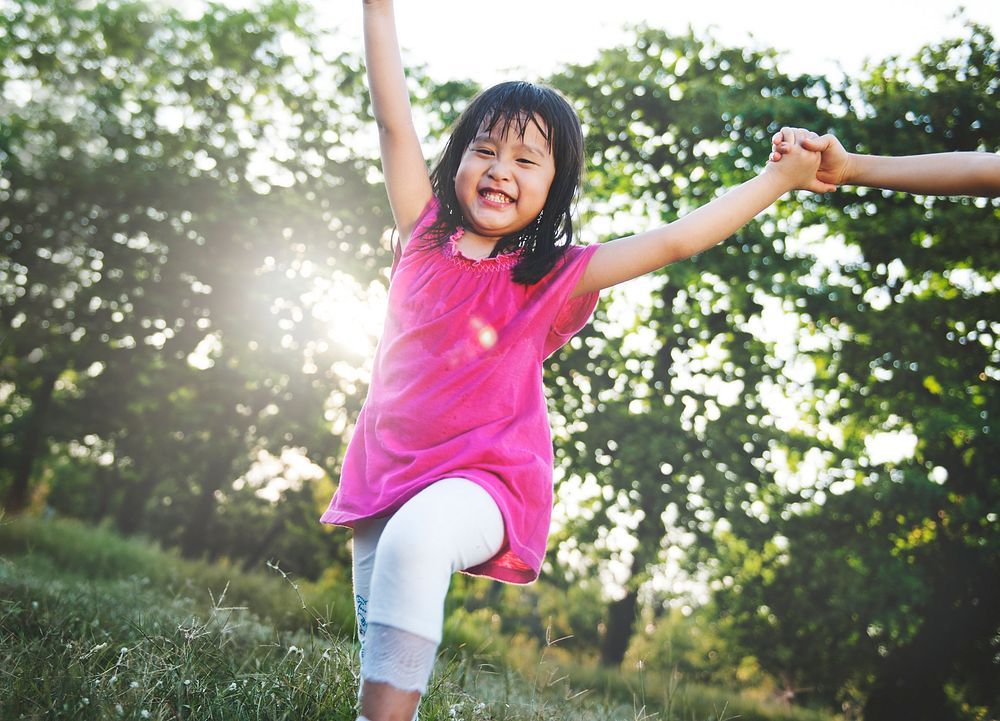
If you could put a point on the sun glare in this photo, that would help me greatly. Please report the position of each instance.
(353, 313)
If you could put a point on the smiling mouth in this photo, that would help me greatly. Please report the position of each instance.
(495, 196)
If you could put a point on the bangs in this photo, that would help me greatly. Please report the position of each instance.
(512, 106)
(504, 119)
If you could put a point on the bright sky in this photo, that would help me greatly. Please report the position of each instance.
(522, 38)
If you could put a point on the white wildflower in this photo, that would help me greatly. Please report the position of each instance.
(95, 649)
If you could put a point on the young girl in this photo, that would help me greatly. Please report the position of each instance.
(450, 465)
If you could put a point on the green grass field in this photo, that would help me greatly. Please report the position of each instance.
(94, 626)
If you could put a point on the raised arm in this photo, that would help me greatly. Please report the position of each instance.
(407, 180)
(968, 173)
(626, 258)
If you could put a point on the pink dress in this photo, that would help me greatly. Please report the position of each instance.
(456, 391)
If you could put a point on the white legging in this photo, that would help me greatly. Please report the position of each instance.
(403, 564)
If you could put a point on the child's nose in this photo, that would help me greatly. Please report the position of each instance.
(499, 170)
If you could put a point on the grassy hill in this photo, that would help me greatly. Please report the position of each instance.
(95, 626)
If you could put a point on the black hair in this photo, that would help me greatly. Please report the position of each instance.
(505, 107)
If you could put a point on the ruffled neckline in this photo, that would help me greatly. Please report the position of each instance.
(504, 261)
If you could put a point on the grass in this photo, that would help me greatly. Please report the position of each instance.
(94, 626)
(80, 648)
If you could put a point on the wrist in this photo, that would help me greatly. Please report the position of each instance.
(853, 169)
(777, 181)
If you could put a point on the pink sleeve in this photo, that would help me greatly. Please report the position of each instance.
(573, 313)
(427, 216)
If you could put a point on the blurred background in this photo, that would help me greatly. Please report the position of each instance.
(773, 460)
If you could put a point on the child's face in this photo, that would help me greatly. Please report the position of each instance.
(503, 180)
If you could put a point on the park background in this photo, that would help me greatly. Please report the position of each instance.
(776, 466)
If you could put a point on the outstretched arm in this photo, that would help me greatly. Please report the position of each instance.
(407, 179)
(626, 258)
(968, 173)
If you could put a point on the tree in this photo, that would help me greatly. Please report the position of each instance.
(804, 536)
(896, 560)
(670, 431)
(172, 191)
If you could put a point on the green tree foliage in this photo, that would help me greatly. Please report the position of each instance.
(849, 579)
(662, 411)
(901, 563)
(179, 206)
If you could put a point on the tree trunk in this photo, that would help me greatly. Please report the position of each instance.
(618, 632)
(623, 613)
(106, 479)
(128, 517)
(256, 556)
(198, 530)
(17, 496)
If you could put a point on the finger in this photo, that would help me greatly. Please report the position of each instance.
(820, 187)
(819, 143)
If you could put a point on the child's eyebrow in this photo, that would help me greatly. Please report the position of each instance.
(532, 149)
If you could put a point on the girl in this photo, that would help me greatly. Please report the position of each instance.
(450, 465)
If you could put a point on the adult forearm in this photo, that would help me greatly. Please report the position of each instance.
(968, 173)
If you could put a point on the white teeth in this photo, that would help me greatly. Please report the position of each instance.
(497, 197)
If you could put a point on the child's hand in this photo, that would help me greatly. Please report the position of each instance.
(834, 166)
(795, 162)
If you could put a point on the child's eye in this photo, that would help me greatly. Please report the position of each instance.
(483, 151)
(526, 161)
